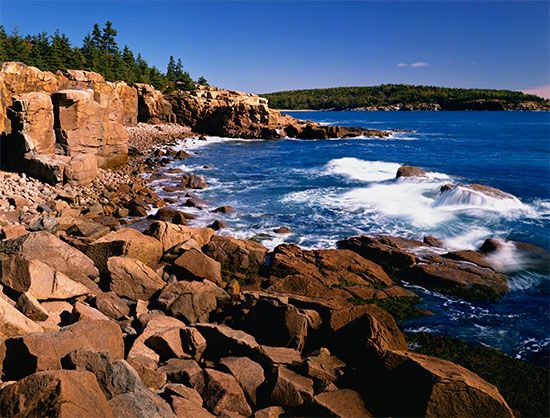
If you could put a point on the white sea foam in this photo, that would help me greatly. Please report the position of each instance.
(357, 169)
(471, 239)
(508, 259)
(194, 143)
(405, 200)
(462, 197)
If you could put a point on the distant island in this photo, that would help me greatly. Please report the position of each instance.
(405, 97)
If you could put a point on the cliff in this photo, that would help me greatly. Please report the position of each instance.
(212, 111)
(62, 127)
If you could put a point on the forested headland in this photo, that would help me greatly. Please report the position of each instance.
(98, 52)
(339, 98)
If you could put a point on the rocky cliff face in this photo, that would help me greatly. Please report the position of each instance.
(212, 111)
(63, 126)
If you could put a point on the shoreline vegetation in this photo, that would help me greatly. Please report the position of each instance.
(403, 97)
(114, 303)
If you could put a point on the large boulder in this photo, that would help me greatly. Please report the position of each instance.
(125, 242)
(240, 258)
(25, 274)
(192, 301)
(330, 267)
(221, 392)
(432, 387)
(47, 168)
(275, 323)
(77, 124)
(89, 114)
(291, 389)
(31, 353)
(55, 393)
(195, 265)
(248, 373)
(50, 250)
(31, 117)
(144, 358)
(391, 252)
(410, 171)
(111, 305)
(17, 78)
(120, 383)
(152, 106)
(81, 169)
(323, 367)
(222, 341)
(13, 322)
(341, 403)
(463, 279)
(132, 279)
(362, 334)
(84, 125)
(184, 237)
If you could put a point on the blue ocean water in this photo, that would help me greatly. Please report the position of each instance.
(326, 190)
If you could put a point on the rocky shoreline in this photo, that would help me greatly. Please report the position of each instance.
(111, 311)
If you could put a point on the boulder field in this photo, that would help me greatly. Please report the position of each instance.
(123, 327)
(158, 318)
(164, 319)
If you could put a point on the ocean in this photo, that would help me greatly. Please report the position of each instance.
(326, 190)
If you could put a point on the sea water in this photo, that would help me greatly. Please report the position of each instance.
(326, 190)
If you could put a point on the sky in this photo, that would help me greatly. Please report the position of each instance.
(263, 46)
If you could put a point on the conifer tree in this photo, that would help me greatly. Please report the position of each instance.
(202, 81)
(108, 42)
(99, 52)
(3, 44)
(60, 52)
(40, 50)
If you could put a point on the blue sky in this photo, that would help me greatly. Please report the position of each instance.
(262, 46)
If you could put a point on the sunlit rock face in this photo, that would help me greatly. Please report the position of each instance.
(46, 117)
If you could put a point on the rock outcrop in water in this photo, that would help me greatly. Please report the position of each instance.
(467, 274)
(213, 111)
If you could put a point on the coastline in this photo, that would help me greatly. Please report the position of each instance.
(155, 147)
(100, 266)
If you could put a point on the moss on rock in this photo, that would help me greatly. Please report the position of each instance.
(524, 386)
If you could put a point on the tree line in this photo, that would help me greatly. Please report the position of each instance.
(389, 94)
(99, 52)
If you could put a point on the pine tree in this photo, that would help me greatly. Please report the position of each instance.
(90, 51)
(179, 69)
(3, 44)
(96, 37)
(142, 70)
(185, 82)
(130, 67)
(171, 69)
(202, 81)
(108, 42)
(40, 51)
(99, 52)
(18, 49)
(61, 52)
